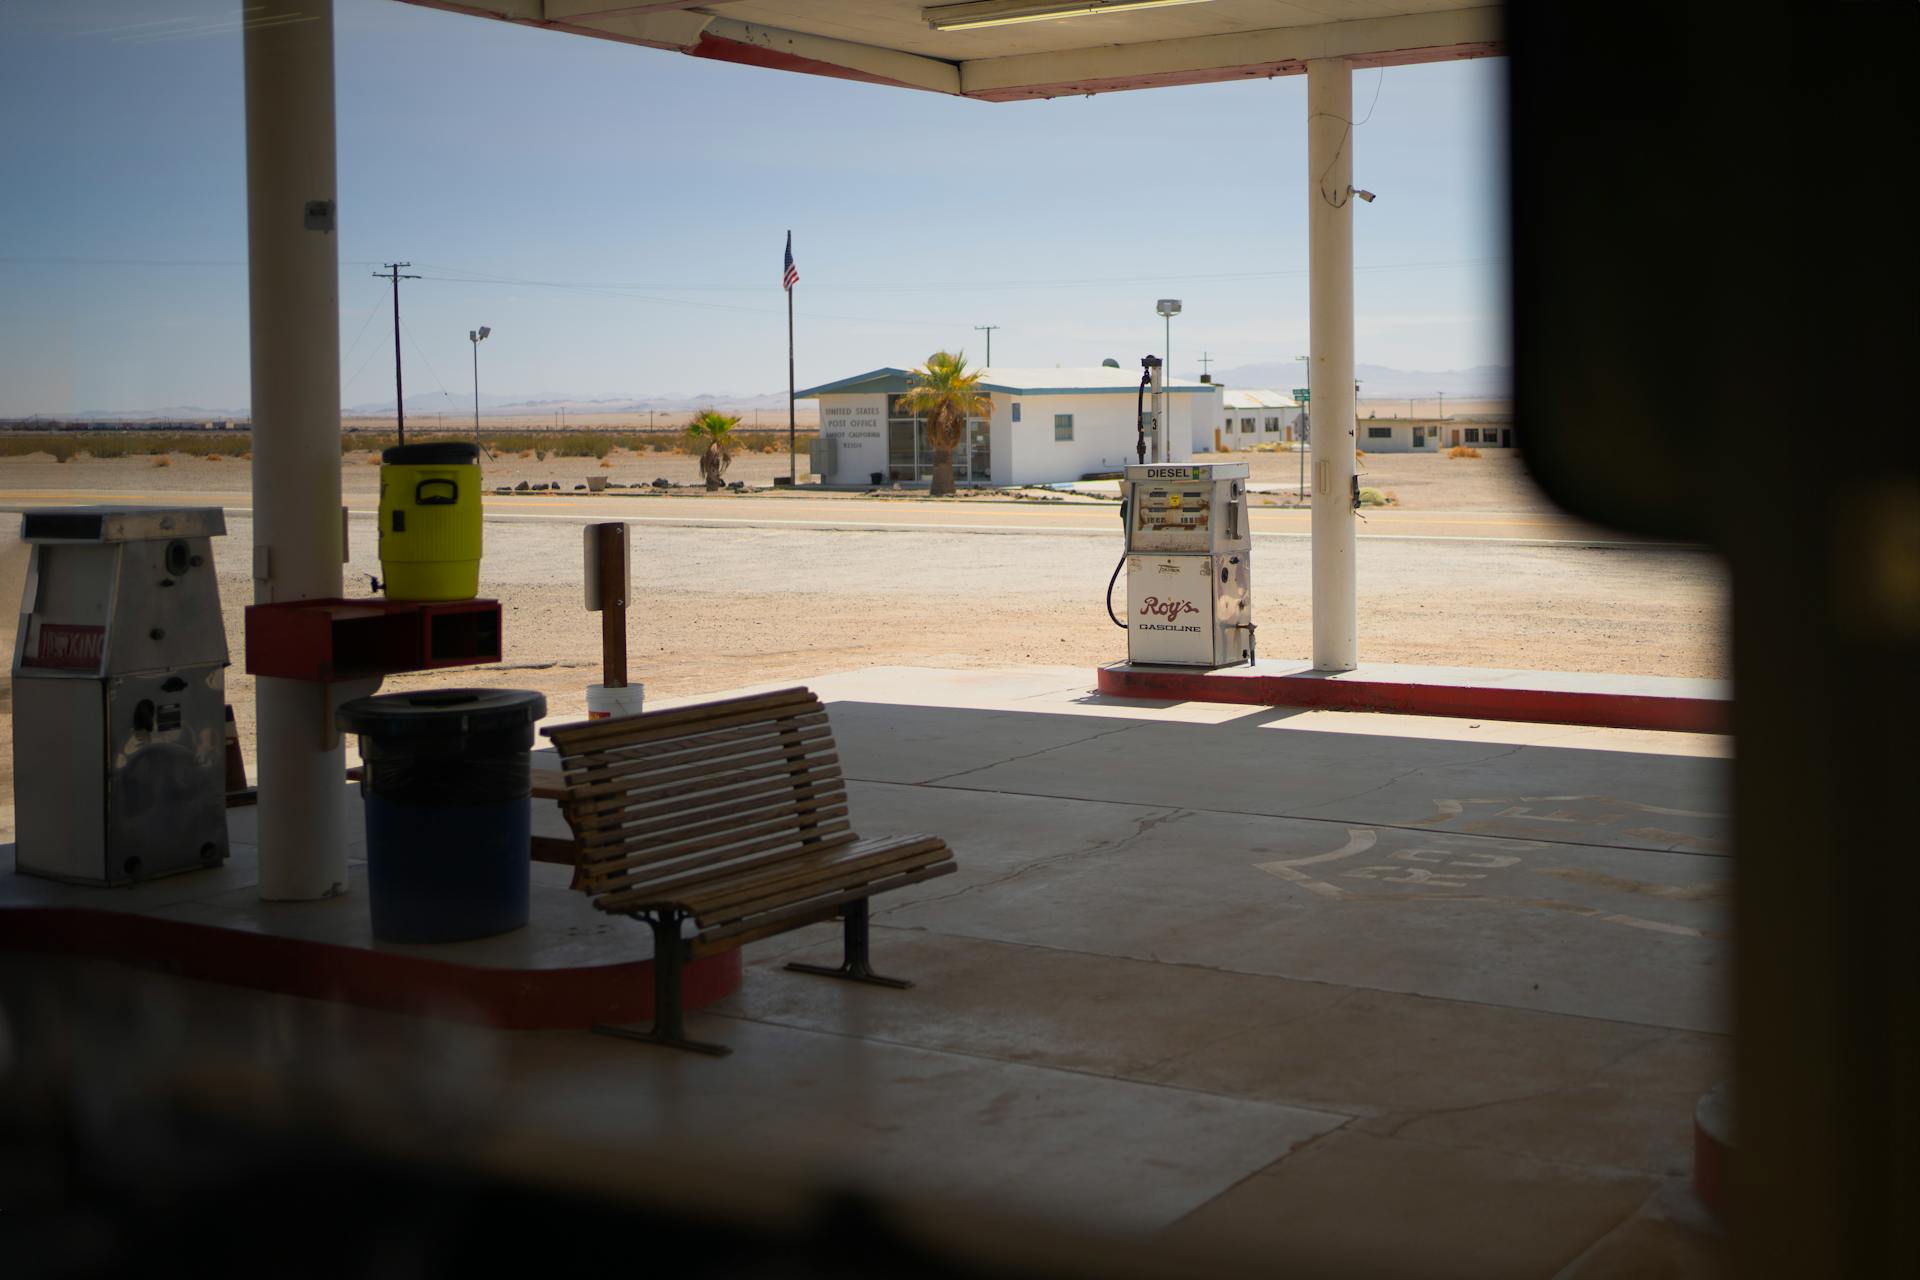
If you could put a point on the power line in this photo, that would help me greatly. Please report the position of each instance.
(355, 345)
(620, 288)
(951, 286)
(419, 351)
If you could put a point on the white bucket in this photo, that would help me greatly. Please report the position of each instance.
(604, 703)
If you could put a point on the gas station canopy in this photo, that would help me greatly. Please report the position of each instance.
(1004, 50)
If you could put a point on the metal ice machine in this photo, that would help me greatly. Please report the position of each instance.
(119, 695)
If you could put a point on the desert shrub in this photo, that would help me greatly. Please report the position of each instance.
(163, 461)
(606, 464)
(1462, 451)
(1372, 498)
(121, 444)
(215, 457)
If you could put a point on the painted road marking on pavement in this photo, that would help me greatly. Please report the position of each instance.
(1580, 811)
(1430, 873)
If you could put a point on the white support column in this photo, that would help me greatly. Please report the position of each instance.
(1330, 303)
(293, 274)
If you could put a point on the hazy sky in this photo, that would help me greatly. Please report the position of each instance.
(616, 214)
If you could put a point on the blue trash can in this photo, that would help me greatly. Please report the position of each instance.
(447, 793)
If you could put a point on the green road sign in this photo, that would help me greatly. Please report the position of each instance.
(1301, 394)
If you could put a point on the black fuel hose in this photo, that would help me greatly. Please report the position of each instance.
(1118, 565)
(1140, 425)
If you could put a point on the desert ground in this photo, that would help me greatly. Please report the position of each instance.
(730, 599)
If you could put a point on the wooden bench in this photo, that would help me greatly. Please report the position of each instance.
(731, 815)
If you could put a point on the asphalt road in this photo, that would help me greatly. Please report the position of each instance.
(920, 515)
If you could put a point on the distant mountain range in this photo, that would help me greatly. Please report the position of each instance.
(1376, 382)
(550, 402)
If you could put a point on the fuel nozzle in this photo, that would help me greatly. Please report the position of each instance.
(1148, 364)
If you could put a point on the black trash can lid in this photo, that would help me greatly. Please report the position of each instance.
(435, 713)
(435, 453)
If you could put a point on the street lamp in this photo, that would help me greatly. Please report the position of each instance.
(1168, 309)
(476, 337)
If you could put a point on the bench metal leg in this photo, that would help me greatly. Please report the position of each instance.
(854, 968)
(669, 1024)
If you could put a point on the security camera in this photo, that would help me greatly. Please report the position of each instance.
(1364, 195)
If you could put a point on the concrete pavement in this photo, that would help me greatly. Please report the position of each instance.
(1340, 991)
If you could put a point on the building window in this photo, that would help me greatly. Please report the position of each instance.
(1246, 424)
(1473, 435)
(1016, 411)
(1273, 424)
(1379, 433)
(1063, 426)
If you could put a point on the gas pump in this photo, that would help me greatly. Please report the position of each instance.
(1188, 562)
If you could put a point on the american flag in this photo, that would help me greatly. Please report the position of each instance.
(791, 276)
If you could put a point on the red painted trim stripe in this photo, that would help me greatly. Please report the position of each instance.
(721, 49)
(1535, 706)
(516, 999)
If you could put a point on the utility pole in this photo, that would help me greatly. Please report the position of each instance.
(399, 393)
(1443, 404)
(988, 330)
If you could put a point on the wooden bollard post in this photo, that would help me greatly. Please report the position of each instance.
(609, 583)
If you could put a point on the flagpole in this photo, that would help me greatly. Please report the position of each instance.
(792, 465)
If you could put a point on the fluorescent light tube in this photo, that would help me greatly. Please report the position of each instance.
(1001, 13)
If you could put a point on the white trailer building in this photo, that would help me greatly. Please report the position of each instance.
(1251, 416)
(1431, 435)
(1047, 426)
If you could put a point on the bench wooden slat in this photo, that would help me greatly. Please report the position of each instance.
(687, 854)
(726, 866)
(654, 725)
(808, 806)
(696, 790)
(588, 731)
(630, 872)
(554, 849)
(647, 751)
(625, 772)
(675, 812)
(725, 903)
(729, 936)
(775, 870)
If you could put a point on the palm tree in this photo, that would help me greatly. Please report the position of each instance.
(946, 395)
(711, 432)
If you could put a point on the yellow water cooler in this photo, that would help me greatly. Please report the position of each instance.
(430, 521)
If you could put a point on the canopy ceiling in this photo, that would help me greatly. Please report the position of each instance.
(890, 41)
